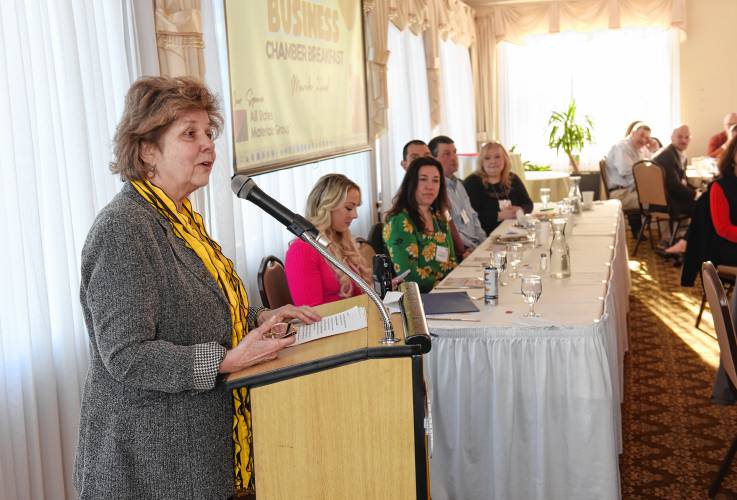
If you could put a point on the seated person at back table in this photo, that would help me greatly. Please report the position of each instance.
(331, 206)
(673, 160)
(619, 161)
(730, 135)
(718, 142)
(464, 217)
(719, 242)
(493, 185)
(416, 231)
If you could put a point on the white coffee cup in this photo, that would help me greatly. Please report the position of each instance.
(588, 200)
(504, 204)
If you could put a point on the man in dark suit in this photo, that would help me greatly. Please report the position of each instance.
(673, 160)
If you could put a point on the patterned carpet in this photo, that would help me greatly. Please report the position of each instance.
(674, 438)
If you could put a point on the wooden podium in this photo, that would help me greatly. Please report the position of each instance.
(341, 417)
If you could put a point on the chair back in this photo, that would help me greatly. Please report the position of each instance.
(650, 183)
(604, 182)
(272, 283)
(722, 315)
(376, 239)
(366, 251)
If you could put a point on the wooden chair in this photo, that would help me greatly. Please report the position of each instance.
(728, 277)
(367, 251)
(727, 349)
(604, 184)
(376, 239)
(272, 283)
(654, 203)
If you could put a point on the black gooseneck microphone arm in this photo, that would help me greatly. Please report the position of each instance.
(244, 187)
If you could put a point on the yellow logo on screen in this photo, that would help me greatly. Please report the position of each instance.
(303, 18)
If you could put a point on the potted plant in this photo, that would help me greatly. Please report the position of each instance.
(568, 135)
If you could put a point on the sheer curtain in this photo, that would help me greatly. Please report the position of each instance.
(409, 110)
(458, 109)
(246, 233)
(615, 76)
(64, 69)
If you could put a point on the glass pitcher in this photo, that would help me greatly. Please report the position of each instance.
(575, 192)
(560, 255)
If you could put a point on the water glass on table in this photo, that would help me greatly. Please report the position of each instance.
(588, 200)
(499, 260)
(531, 286)
(545, 197)
(514, 258)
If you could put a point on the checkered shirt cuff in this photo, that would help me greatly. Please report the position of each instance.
(207, 359)
(253, 313)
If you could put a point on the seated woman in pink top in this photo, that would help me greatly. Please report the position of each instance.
(331, 207)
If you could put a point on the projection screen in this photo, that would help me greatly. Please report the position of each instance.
(297, 81)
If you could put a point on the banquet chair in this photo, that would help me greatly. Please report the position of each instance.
(366, 250)
(376, 239)
(728, 277)
(272, 283)
(727, 349)
(654, 203)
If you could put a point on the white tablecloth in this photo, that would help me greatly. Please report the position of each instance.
(530, 409)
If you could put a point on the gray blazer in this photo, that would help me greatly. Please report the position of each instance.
(149, 304)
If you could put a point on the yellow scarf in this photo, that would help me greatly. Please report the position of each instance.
(188, 226)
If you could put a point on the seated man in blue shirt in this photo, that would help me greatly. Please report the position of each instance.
(464, 217)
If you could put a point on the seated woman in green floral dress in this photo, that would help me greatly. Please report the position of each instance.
(416, 232)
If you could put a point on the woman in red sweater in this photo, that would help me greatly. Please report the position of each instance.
(723, 206)
(331, 206)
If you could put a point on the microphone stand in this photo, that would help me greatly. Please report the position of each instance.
(389, 337)
(245, 188)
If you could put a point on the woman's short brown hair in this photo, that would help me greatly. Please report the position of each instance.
(152, 104)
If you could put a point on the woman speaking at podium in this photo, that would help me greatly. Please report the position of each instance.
(166, 313)
(332, 206)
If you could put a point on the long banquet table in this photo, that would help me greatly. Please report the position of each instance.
(530, 408)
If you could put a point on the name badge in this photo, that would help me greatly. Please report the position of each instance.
(442, 254)
(464, 216)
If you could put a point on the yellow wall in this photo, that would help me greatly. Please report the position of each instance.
(708, 68)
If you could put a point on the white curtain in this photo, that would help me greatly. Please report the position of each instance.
(615, 76)
(458, 108)
(409, 110)
(65, 66)
(245, 232)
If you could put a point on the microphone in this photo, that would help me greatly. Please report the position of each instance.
(244, 187)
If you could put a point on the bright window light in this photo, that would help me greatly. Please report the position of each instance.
(615, 76)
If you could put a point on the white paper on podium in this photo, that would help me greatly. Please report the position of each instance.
(346, 321)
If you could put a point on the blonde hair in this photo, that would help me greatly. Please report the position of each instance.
(328, 194)
(505, 175)
(151, 106)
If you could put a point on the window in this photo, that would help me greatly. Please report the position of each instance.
(615, 76)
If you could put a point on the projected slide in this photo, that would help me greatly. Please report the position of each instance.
(297, 80)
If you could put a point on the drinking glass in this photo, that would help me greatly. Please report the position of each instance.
(532, 231)
(531, 287)
(499, 260)
(545, 196)
(563, 208)
(514, 257)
